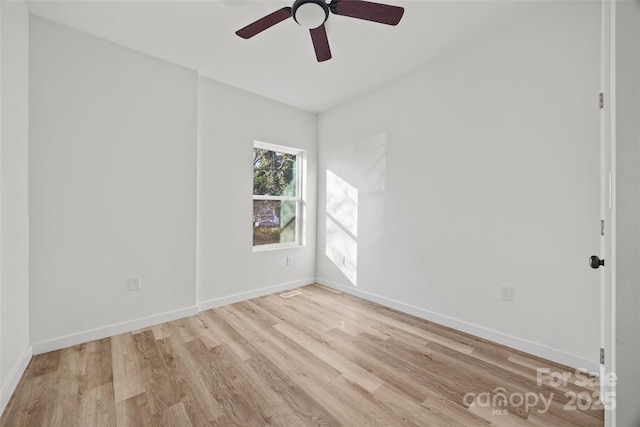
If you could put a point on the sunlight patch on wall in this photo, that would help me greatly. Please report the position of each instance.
(355, 203)
(342, 226)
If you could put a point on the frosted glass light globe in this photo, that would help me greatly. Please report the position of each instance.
(310, 15)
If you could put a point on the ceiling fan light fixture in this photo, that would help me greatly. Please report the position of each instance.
(310, 14)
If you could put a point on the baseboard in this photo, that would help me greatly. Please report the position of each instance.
(111, 330)
(537, 349)
(119, 328)
(243, 296)
(11, 384)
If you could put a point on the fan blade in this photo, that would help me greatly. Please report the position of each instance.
(263, 23)
(320, 43)
(369, 11)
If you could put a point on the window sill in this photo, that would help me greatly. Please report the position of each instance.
(266, 248)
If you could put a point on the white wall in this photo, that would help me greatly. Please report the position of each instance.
(479, 170)
(113, 139)
(15, 351)
(114, 176)
(229, 121)
(628, 212)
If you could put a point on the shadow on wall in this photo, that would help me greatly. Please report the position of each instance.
(355, 203)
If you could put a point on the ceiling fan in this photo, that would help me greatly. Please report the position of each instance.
(312, 14)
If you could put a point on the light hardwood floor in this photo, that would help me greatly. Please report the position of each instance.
(318, 358)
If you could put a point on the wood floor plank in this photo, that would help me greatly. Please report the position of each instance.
(224, 386)
(201, 328)
(434, 411)
(30, 407)
(127, 375)
(99, 369)
(97, 407)
(73, 379)
(283, 388)
(285, 353)
(199, 403)
(350, 370)
(175, 415)
(453, 413)
(43, 364)
(236, 342)
(133, 412)
(302, 367)
(320, 358)
(352, 325)
(162, 387)
(253, 392)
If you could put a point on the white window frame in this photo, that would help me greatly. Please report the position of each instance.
(300, 183)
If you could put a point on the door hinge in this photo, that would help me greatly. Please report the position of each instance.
(601, 98)
(602, 356)
(602, 227)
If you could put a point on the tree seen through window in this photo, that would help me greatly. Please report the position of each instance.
(275, 196)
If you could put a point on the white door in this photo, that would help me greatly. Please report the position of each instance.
(605, 261)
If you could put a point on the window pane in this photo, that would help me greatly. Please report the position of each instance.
(274, 221)
(274, 173)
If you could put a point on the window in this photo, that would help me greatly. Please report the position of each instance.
(277, 201)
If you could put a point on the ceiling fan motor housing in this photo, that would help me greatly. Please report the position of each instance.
(310, 13)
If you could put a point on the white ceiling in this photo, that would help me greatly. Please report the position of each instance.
(280, 62)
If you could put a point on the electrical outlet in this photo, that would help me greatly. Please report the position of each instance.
(134, 283)
(343, 260)
(289, 260)
(506, 294)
